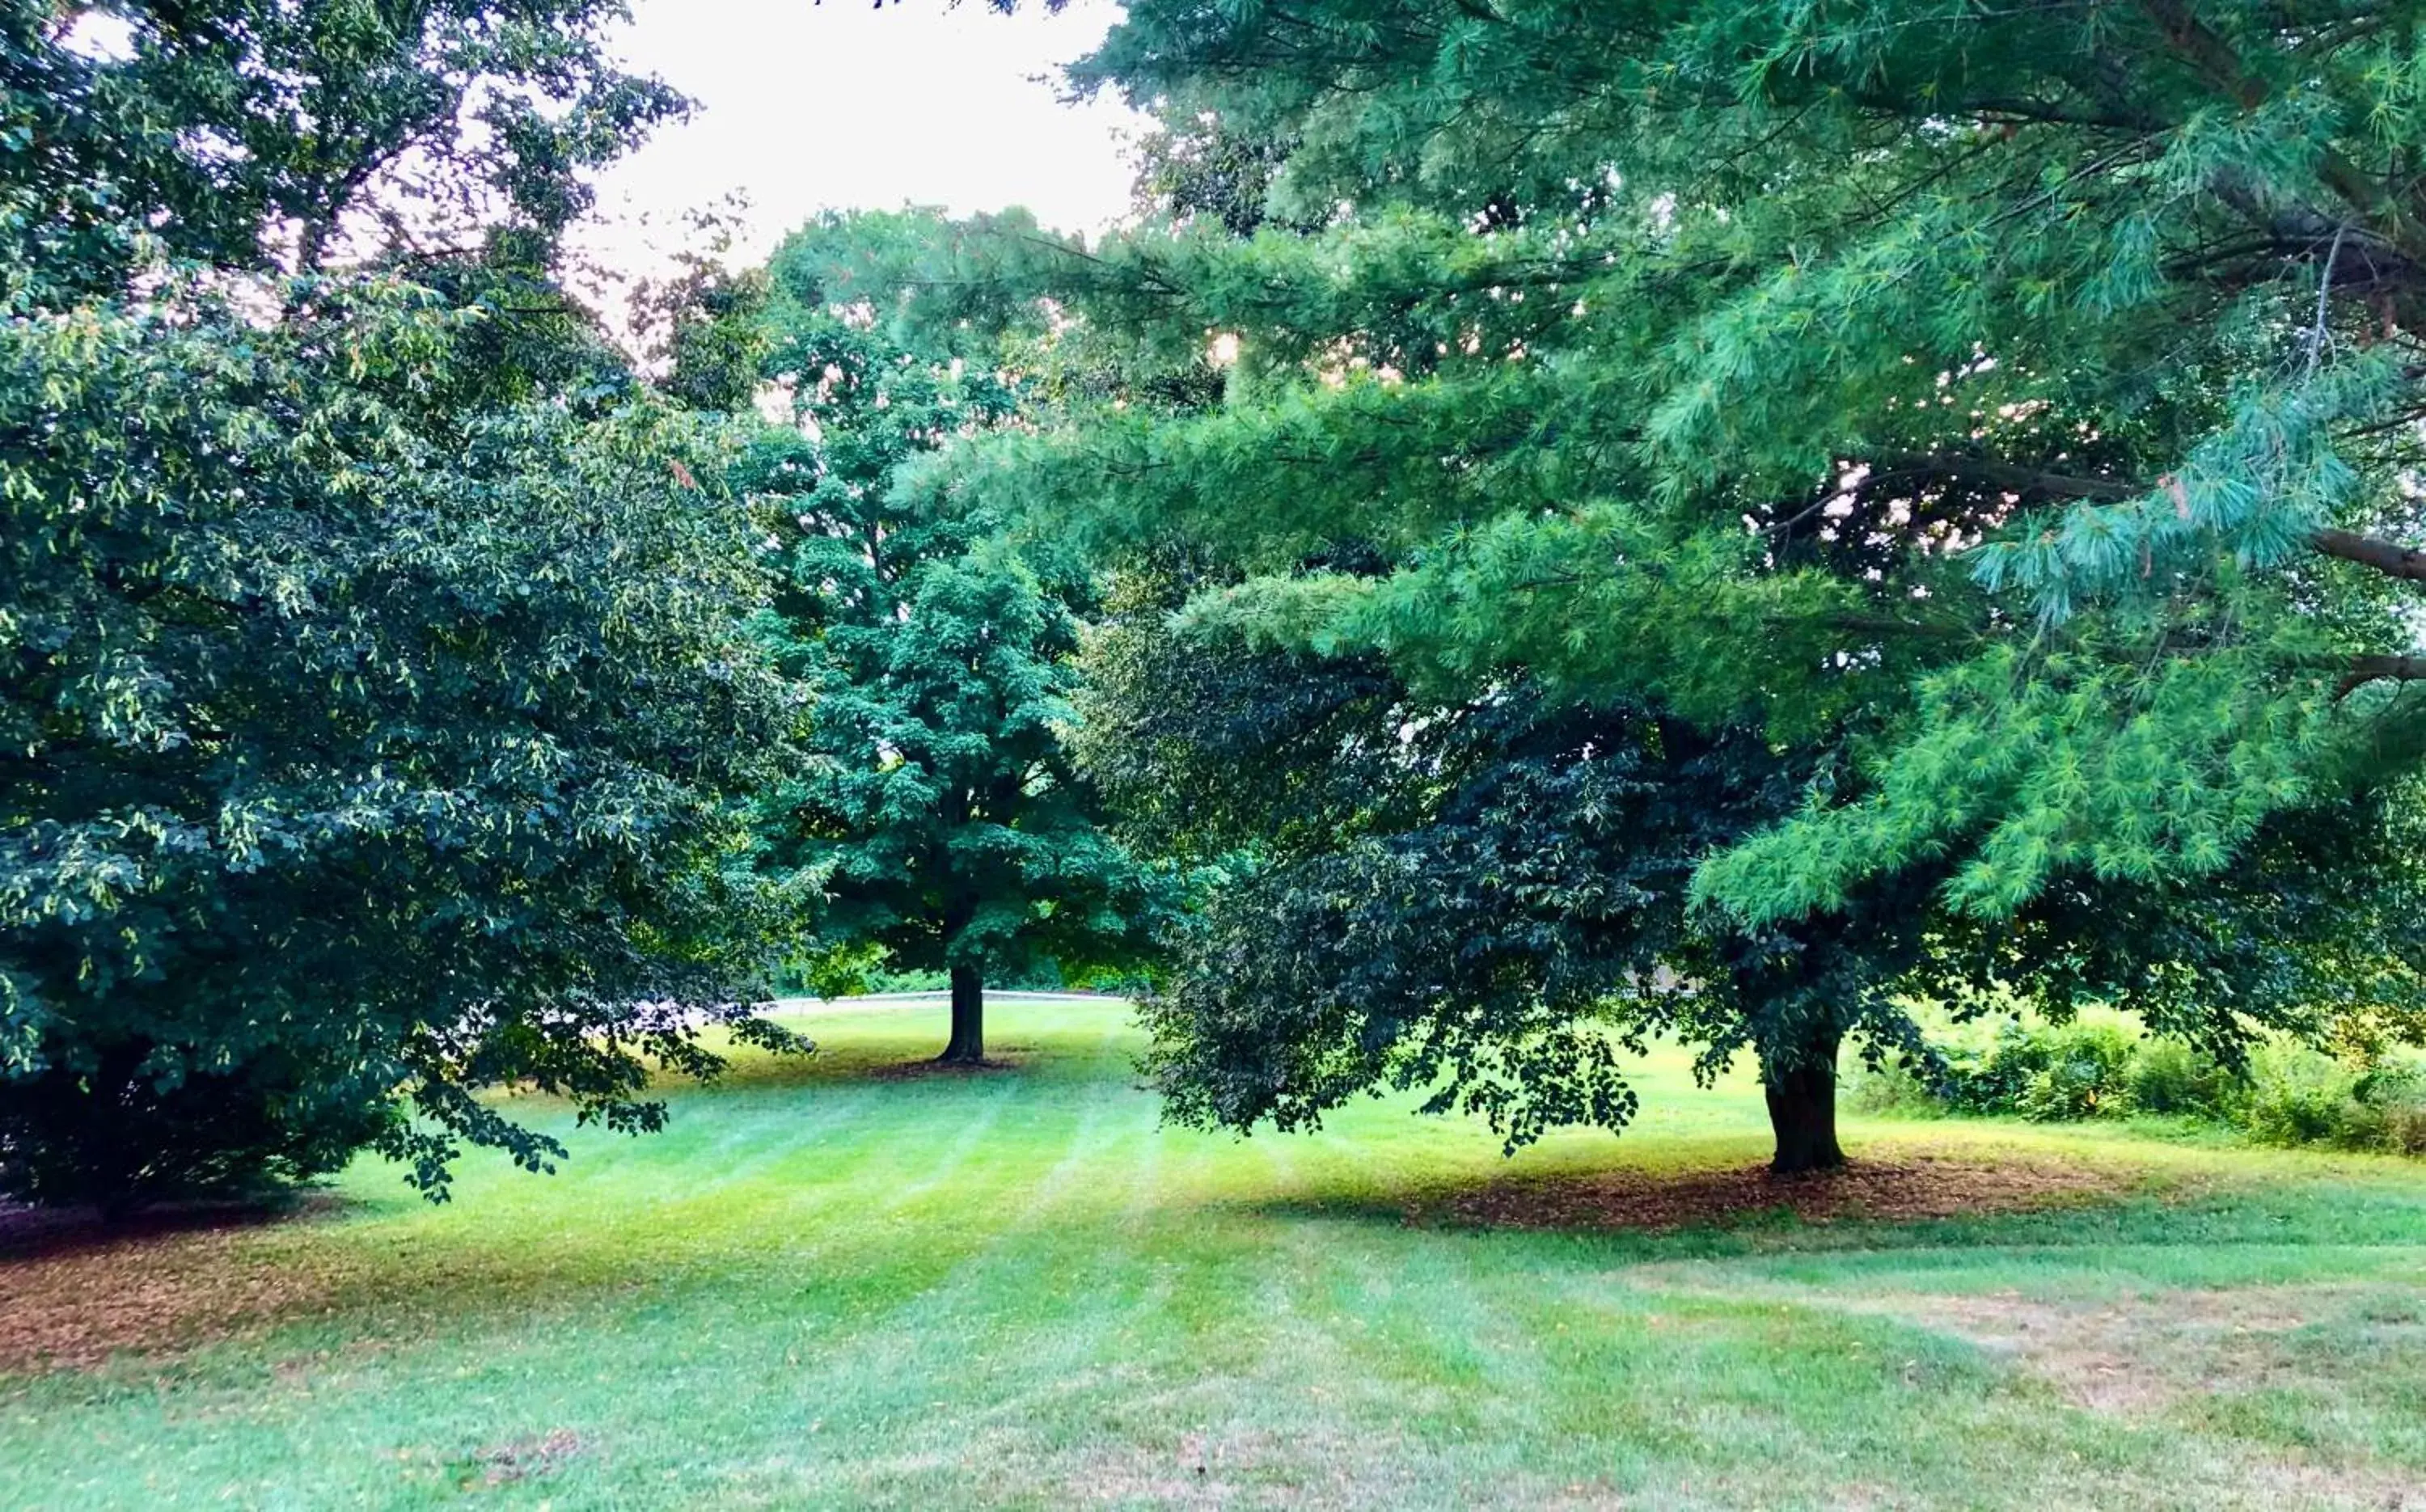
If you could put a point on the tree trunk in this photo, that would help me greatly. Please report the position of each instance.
(1803, 1108)
(968, 1019)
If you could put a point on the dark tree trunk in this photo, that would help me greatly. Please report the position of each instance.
(968, 1019)
(1803, 1108)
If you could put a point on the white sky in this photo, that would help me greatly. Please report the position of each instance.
(802, 106)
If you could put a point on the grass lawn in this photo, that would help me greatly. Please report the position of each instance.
(833, 1284)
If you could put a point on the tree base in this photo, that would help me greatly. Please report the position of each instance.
(1802, 1115)
(967, 1044)
(1808, 1162)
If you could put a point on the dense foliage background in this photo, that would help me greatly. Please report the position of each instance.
(1731, 531)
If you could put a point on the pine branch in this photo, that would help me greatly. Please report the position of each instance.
(2389, 557)
(2207, 54)
(2005, 476)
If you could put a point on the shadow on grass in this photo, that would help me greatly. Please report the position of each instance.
(29, 1233)
(1892, 1200)
(905, 1058)
(157, 1289)
(919, 1071)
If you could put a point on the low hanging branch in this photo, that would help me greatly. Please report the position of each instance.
(2388, 557)
(2366, 669)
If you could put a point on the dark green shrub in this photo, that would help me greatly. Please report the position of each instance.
(1992, 1082)
(2085, 1075)
(128, 1132)
(2049, 1074)
(2168, 1077)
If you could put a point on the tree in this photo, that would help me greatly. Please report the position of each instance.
(939, 811)
(1484, 900)
(2087, 325)
(244, 134)
(389, 747)
(376, 717)
(1988, 409)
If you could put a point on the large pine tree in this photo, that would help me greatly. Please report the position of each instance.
(2036, 382)
(2006, 413)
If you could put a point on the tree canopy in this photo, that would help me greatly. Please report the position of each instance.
(938, 813)
(376, 707)
(1985, 369)
(2005, 415)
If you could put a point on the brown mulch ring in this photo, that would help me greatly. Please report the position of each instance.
(1888, 1189)
(75, 1291)
(919, 1071)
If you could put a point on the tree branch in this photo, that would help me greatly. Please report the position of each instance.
(2209, 55)
(2389, 557)
(2005, 476)
(2366, 669)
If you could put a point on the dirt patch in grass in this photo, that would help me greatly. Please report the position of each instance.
(75, 1291)
(1900, 1189)
(2141, 1354)
(539, 1455)
(2144, 1357)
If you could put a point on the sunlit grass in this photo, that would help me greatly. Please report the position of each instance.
(830, 1285)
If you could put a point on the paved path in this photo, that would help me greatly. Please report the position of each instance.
(923, 999)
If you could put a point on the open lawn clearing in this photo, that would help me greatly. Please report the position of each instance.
(834, 1285)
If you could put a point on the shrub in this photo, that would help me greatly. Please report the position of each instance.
(2300, 1097)
(2406, 1129)
(2169, 1077)
(2285, 1111)
(2048, 1075)
(2084, 1074)
(1992, 1082)
(129, 1131)
(2386, 1110)
(2286, 1095)
(1892, 1086)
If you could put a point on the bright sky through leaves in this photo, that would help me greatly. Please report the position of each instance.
(808, 105)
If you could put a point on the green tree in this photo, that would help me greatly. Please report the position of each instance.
(1486, 900)
(939, 811)
(376, 717)
(244, 134)
(2004, 413)
(2032, 381)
